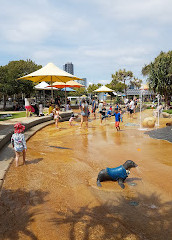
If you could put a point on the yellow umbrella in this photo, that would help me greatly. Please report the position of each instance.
(50, 73)
(68, 84)
(83, 96)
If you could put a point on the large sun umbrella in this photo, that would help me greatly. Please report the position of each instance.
(71, 84)
(104, 89)
(68, 89)
(50, 73)
(101, 90)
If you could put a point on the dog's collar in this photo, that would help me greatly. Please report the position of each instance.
(128, 172)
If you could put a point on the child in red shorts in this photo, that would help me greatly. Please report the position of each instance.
(117, 119)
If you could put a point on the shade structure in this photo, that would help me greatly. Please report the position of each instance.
(101, 90)
(44, 86)
(104, 89)
(71, 84)
(68, 89)
(144, 87)
(50, 73)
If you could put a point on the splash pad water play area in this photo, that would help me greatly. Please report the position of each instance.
(55, 195)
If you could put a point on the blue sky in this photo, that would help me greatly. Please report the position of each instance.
(98, 36)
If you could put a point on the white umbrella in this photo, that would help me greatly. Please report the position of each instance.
(104, 89)
(44, 86)
(101, 90)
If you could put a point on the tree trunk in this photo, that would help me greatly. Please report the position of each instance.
(5, 101)
(166, 100)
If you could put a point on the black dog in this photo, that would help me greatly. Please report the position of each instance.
(116, 174)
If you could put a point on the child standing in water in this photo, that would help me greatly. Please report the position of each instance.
(19, 143)
(117, 119)
(71, 119)
(56, 115)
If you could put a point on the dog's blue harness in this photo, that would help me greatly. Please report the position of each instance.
(116, 173)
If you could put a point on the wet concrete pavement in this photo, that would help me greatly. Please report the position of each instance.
(55, 195)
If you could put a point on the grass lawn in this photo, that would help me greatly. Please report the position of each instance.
(14, 115)
(168, 111)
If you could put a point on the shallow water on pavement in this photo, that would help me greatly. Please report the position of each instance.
(55, 195)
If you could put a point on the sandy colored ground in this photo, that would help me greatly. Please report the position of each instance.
(55, 195)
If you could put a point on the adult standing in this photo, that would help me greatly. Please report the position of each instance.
(84, 112)
(68, 104)
(28, 106)
(132, 107)
(94, 108)
(57, 101)
(101, 110)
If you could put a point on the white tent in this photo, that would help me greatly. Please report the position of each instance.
(44, 86)
(103, 89)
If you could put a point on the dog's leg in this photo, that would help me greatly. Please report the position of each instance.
(121, 183)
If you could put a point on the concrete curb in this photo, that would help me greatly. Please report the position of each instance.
(7, 152)
(5, 138)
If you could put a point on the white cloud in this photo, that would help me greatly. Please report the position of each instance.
(98, 36)
(159, 10)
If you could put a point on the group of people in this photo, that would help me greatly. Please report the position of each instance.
(102, 110)
(31, 107)
(105, 111)
(131, 106)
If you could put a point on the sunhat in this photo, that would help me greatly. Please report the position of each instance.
(18, 128)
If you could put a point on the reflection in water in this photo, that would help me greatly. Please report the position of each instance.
(59, 147)
(65, 164)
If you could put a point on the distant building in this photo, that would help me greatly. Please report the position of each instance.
(83, 81)
(68, 67)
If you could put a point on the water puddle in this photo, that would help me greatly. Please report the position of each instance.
(133, 203)
(132, 183)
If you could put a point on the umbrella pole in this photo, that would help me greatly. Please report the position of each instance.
(51, 89)
(140, 109)
(65, 98)
(44, 97)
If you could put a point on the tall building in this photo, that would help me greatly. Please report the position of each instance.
(68, 67)
(83, 81)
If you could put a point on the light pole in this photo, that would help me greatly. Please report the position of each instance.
(158, 109)
(142, 88)
(141, 91)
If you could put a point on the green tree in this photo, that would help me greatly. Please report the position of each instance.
(116, 86)
(9, 73)
(136, 82)
(79, 92)
(119, 80)
(159, 73)
(92, 87)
